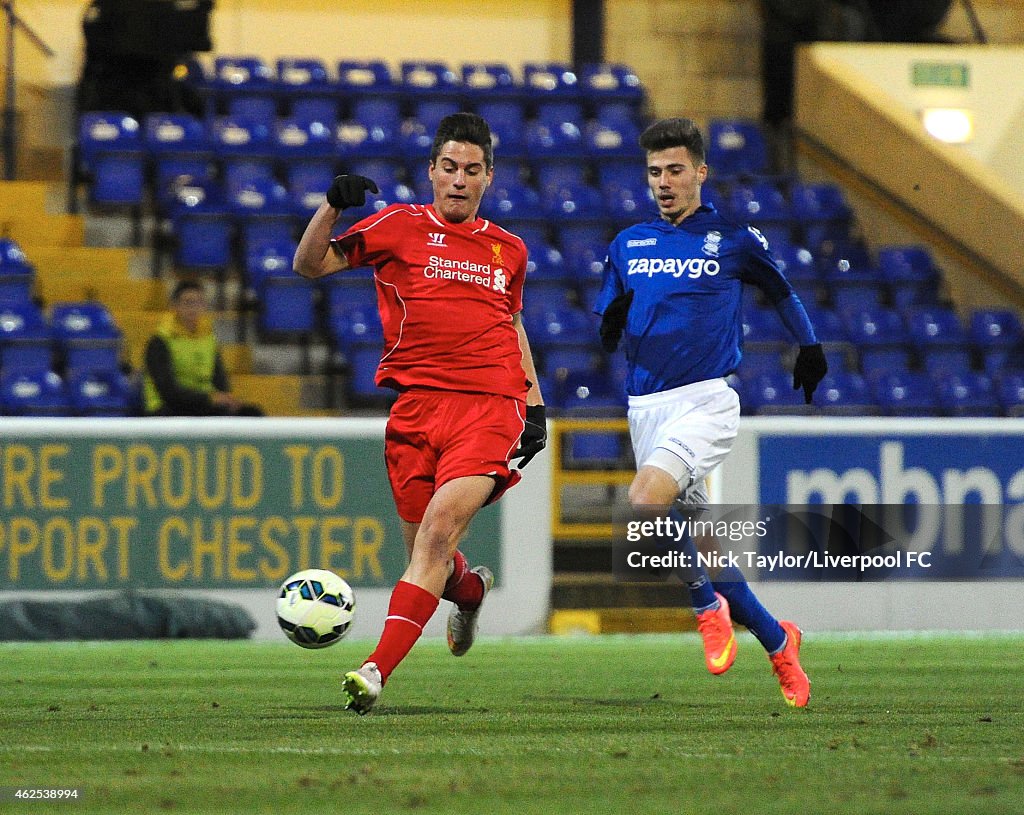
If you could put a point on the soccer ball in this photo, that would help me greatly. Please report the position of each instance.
(315, 608)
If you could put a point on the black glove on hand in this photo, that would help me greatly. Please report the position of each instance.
(349, 191)
(535, 435)
(809, 369)
(614, 321)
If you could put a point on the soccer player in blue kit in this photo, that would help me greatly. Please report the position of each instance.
(671, 294)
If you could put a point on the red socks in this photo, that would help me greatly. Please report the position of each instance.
(409, 610)
(463, 588)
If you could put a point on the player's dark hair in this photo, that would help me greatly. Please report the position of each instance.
(668, 133)
(464, 127)
(184, 286)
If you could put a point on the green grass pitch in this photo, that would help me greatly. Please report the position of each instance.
(927, 724)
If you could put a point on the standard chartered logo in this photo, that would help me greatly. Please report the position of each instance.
(466, 271)
(677, 267)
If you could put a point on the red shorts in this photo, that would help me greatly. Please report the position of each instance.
(434, 436)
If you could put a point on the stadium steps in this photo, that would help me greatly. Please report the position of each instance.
(593, 602)
(281, 394)
(23, 197)
(42, 229)
(621, 621)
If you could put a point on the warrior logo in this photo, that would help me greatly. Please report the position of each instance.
(436, 238)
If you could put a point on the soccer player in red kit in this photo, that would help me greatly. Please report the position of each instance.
(449, 290)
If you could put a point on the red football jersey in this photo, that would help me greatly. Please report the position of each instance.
(446, 294)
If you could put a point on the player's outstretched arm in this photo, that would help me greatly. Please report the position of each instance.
(316, 256)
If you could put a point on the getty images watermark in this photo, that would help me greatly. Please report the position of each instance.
(817, 543)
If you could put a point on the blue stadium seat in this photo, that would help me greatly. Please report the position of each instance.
(267, 259)
(113, 158)
(821, 210)
(33, 393)
(796, 262)
(876, 362)
(603, 83)
(86, 335)
(258, 198)
(851, 271)
(880, 327)
(512, 204)
(589, 395)
(763, 325)
(549, 80)
(288, 305)
(506, 120)
(558, 111)
(261, 109)
(761, 202)
(910, 263)
(909, 393)
(371, 130)
(828, 325)
(967, 393)
(429, 78)
(558, 362)
(772, 394)
(17, 275)
(483, 81)
(385, 172)
(365, 78)
(995, 361)
(323, 109)
(542, 253)
(941, 360)
(736, 147)
(1010, 392)
(628, 205)
(609, 139)
(360, 386)
(867, 297)
(244, 86)
(551, 327)
(202, 227)
(307, 183)
(550, 175)
(26, 338)
(356, 326)
(573, 202)
(553, 141)
(995, 328)
(842, 393)
(296, 139)
(104, 392)
(181, 153)
(627, 173)
(430, 110)
(756, 362)
(305, 79)
(935, 328)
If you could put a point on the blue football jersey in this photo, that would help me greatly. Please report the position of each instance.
(685, 322)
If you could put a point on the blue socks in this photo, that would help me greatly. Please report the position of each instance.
(747, 610)
(702, 590)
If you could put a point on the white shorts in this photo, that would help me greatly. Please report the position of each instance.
(686, 432)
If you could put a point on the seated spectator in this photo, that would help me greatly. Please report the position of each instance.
(185, 374)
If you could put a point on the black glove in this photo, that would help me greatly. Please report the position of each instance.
(349, 191)
(535, 435)
(809, 369)
(614, 321)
